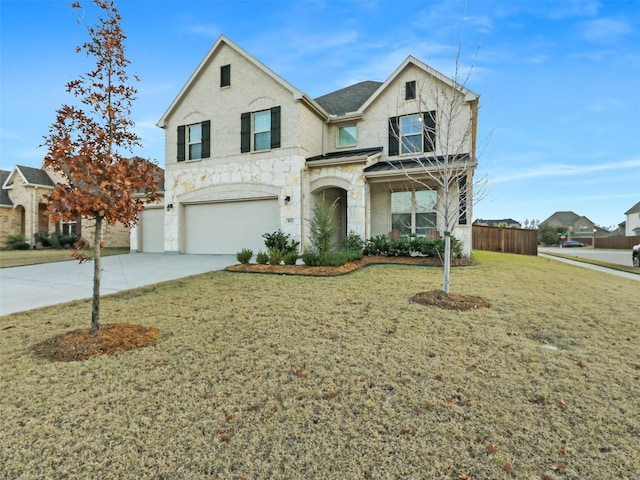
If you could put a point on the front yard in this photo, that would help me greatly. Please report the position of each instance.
(272, 376)
(16, 258)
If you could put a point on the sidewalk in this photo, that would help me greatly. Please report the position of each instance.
(577, 263)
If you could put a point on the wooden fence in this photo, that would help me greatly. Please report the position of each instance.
(505, 240)
(617, 242)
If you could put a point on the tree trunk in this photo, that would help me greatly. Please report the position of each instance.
(447, 261)
(97, 271)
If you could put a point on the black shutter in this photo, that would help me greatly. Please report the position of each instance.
(429, 132)
(206, 139)
(275, 127)
(245, 132)
(462, 195)
(394, 143)
(225, 75)
(181, 143)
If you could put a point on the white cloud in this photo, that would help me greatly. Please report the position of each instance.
(605, 29)
(560, 170)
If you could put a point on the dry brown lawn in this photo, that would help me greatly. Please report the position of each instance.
(281, 376)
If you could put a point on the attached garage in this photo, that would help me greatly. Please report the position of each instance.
(228, 227)
(151, 227)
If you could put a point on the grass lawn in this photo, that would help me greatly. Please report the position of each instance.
(16, 258)
(272, 376)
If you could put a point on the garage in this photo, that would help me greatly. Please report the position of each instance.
(228, 227)
(151, 226)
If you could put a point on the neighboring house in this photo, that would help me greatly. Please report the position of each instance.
(506, 222)
(578, 227)
(23, 205)
(633, 221)
(247, 153)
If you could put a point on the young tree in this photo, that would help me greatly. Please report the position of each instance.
(87, 141)
(449, 124)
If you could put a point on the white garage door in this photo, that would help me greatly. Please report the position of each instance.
(152, 230)
(227, 228)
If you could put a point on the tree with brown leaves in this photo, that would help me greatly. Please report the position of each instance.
(87, 141)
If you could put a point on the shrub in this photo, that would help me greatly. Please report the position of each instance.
(20, 246)
(353, 242)
(281, 241)
(275, 256)
(311, 259)
(16, 242)
(378, 245)
(244, 255)
(321, 227)
(290, 258)
(262, 258)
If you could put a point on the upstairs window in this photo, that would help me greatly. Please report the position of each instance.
(412, 134)
(194, 141)
(225, 76)
(347, 136)
(410, 90)
(260, 131)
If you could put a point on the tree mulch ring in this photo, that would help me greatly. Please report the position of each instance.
(346, 268)
(450, 301)
(81, 344)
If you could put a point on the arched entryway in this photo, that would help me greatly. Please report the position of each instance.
(338, 196)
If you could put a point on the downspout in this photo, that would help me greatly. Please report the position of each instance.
(33, 217)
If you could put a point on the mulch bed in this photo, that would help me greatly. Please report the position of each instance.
(346, 268)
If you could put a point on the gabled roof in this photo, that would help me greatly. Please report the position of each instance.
(220, 43)
(564, 218)
(4, 194)
(34, 177)
(411, 60)
(348, 99)
(634, 209)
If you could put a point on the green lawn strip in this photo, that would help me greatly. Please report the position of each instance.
(17, 258)
(285, 377)
(614, 266)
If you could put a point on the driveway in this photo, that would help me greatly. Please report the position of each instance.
(33, 286)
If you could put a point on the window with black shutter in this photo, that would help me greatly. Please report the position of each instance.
(194, 141)
(260, 130)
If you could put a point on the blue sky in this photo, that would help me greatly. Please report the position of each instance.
(559, 80)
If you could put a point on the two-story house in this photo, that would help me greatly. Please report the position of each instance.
(247, 153)
(632, 225)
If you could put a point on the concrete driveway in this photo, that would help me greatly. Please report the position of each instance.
(33, 286)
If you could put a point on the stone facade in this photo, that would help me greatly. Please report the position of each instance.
(308, 160)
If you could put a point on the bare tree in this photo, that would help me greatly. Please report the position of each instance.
(446, 125)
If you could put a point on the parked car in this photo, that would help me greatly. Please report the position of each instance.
(571, 243)
(635, 255)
